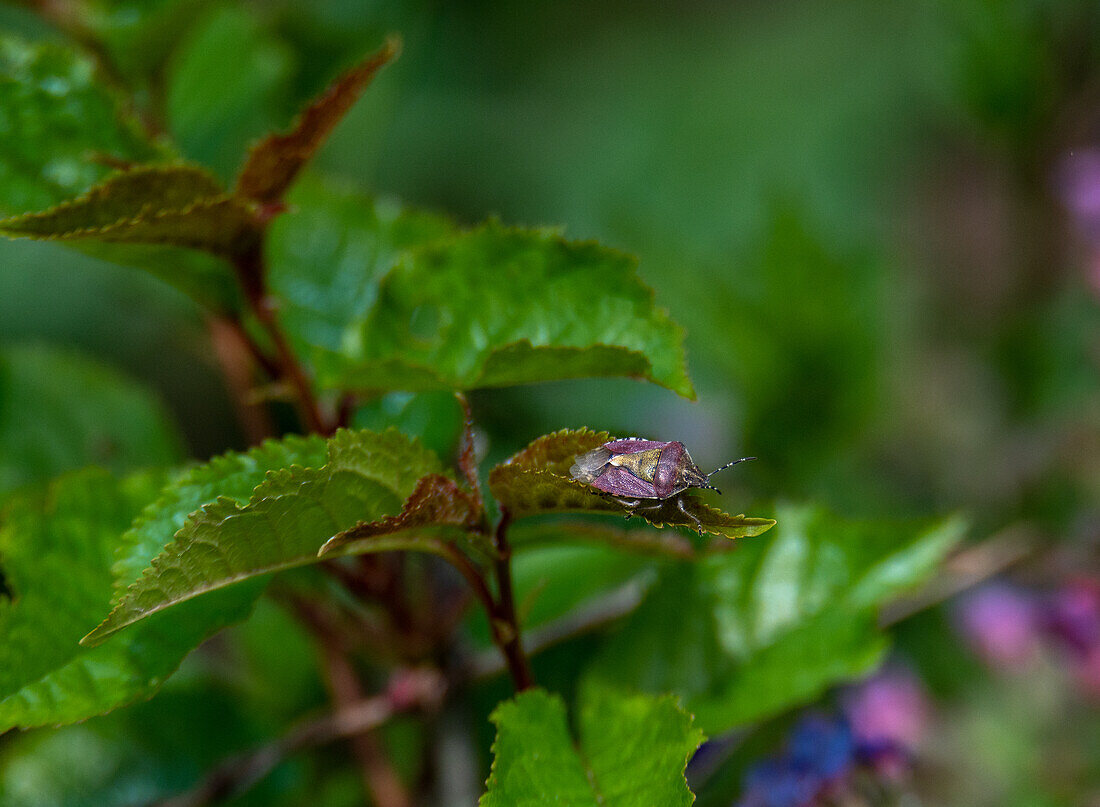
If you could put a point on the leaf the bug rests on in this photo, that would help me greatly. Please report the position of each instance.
(536, 480)
(365, 478)
(275, 161)
(634, 536)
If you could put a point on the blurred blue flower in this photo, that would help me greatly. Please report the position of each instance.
(776, 783)
(822, 745)
(819, 753)
(884, 718)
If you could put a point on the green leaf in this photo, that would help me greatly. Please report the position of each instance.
(537, 480)
(57, 548)
(776, 622)
(366, 477)
(498, 306)
(274, 162)
(232, 476)
(137, 35)
(59, 129)
(638, 539)
(55, 121)
(60, 411)
(225, 86)
(327, 255)
(177, 205)
(631, 752)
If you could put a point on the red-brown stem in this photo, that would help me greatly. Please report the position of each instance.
(250, 272)
(470, 573)
(379, 777)
(467, 460)
(236, 363)
(268, 364)
(345, 408)
(502, 620)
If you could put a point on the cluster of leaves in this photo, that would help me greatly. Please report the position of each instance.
(340, 296)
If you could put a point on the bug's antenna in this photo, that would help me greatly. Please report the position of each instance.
(728, 464)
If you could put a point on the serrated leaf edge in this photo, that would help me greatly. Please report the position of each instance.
(231, 507)
(223, 465)
(556, 236)
(696, 734)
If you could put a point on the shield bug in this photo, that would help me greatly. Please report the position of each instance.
(644, 474)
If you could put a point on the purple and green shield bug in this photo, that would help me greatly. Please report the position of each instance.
(644, 474)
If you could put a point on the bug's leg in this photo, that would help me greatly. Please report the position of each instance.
(630, 504)
(692, 516)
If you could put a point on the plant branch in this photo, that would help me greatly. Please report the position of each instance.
(379, 777)
(502, 619)
(235, 359)
(249, 265)
(597, 614)
(470, 573)
(966, 569)
(409, 690)
(467, 452)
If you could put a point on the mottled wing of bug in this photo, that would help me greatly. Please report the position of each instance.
(620, 482)
(588, 466)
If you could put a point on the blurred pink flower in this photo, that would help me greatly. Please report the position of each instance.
(1002, 623)
(890, 707)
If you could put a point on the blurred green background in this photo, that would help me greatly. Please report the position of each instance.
(851, 206)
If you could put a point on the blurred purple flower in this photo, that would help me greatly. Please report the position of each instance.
(1079, 188)
(1002, 623)
(1078, 182)
(1073, 616)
